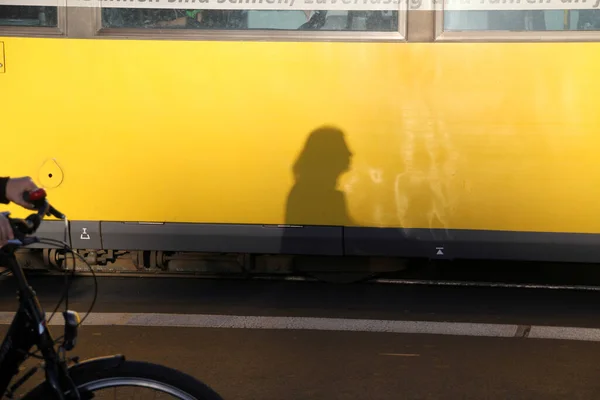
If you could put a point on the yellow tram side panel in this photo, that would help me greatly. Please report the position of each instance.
(457, 136)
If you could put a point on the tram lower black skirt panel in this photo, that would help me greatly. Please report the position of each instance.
(330, 240)
(54, 230)
(223, 238)
(473, 244)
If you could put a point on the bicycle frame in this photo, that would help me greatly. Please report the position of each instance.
(29, 329)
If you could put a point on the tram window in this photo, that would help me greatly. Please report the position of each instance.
(519, 21)
(28, 16)
(372, 21)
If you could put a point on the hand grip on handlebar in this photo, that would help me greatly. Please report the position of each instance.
(34, 196)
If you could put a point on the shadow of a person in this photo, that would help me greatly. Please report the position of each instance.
(315, 199)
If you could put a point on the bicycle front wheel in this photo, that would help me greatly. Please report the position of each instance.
(103, 377)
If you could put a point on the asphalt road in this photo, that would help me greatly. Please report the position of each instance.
(336, 361)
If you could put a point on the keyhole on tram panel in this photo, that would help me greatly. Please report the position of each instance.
(50, 174)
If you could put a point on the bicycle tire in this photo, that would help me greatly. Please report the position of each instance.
(102, 370)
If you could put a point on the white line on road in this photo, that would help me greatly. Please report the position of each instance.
(327, 324)
(565, 333)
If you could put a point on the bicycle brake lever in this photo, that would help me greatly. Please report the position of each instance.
(55, 213)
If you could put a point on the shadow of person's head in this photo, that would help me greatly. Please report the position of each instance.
(314, 199)
(323, 159)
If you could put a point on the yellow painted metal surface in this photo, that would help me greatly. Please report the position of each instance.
(480, 136)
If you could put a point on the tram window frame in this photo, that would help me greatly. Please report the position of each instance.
(491, 36)
(399, 35)
(60, 30)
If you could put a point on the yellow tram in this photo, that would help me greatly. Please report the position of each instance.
(278, 128)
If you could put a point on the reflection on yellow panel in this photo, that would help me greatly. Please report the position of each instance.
(480, 136)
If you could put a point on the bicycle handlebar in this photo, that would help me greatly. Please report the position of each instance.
(29, 225)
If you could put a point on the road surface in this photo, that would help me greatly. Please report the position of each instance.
(305, 340)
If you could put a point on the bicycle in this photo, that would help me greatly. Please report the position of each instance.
(67, 377)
